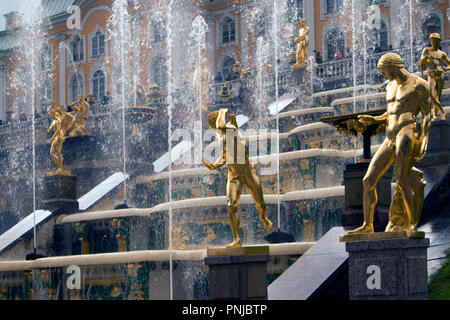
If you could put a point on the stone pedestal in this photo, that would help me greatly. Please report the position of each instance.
(238, 273)
(60, 193)
(438, 151)
(354, 212)
(388, 269)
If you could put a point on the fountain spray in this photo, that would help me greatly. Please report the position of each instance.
(119, 25)
(170, 92)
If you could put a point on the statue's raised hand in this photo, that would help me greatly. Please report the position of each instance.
(366, 120)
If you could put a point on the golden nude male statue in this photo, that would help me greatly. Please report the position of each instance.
(407, 96)
(240, 171)
(302, 44)
(60, 125)
(81, 108)
(433, 58)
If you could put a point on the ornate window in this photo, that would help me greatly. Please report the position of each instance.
(46, 60)
(157, 31)
(295, 10)
(45, 95)
(333, 6)
(77, 47)
(381, 36)
(98, 44)
(98, 84)
(431, 25)
(228, 28)
(261, 24)
(335, 42)
(76, 87)
(160, 76)
(227, 67)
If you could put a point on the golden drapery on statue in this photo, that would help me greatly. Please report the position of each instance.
(240, 171)
(433, 57)
(65, 125)
(302, 44)
(407, 95)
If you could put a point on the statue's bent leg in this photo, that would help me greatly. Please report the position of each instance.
(439, 87)
(234, 191)
(254, 187)
(381, 162)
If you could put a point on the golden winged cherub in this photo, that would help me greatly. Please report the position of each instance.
(240, 171)
(407, 95)
(432, 57)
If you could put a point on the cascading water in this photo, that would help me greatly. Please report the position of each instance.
(198, 36)
(119, 27)
(275, 35)
(27, 76)
(170, 103)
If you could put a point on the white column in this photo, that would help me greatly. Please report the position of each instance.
(62, 69)
(211, 45)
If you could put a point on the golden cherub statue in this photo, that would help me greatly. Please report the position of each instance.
(81, 108)
(61, 124)
(240, 171)
(302, 44)
(200, 81)
(433, 58)
(407, 96)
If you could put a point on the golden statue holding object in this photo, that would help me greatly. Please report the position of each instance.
(407, 96)
(302, 44)
(81, 108)
(433, 58)
(60, 125)
(240, 171)
(65, 125)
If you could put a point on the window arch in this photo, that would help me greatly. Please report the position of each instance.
(98, 44)
(76, 87)
(77, 47)
(431, 25)
(227, 67)
(335, 41)
(160, 76)
(295, 10)
(228, 30)
(45, 95)
(46, 59)
(382, 36)
(98, 84)
(260, 28)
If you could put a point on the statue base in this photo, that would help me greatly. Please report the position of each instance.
(238, 273)
(381, 236)
(60, 193)
(388, 269)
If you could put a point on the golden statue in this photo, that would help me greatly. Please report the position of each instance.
(406, 96)
(433, 58)
(61, 124)
(200, 81)
(240, 171)
(302, 44)
(81, 108)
